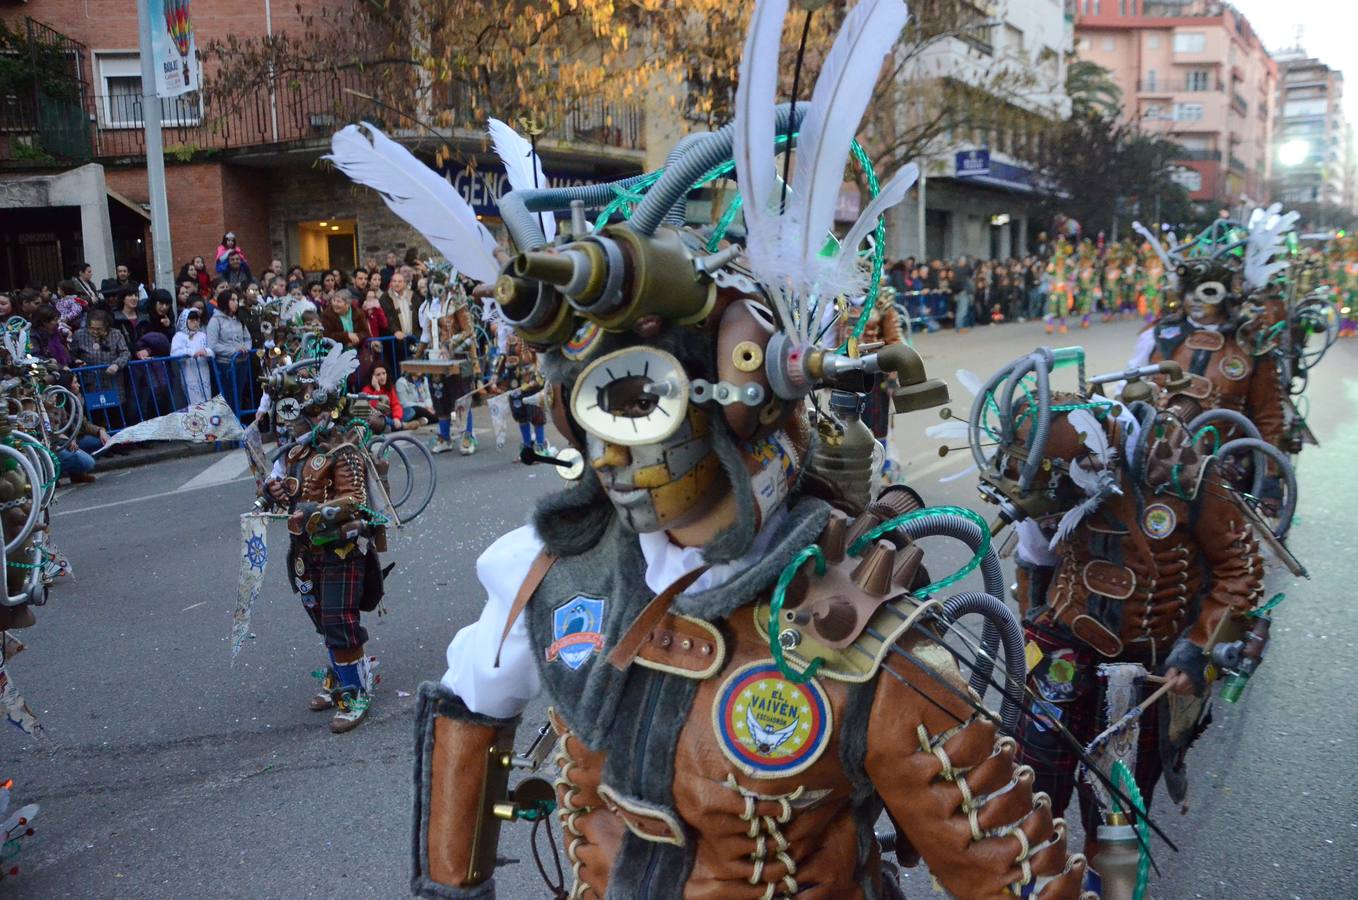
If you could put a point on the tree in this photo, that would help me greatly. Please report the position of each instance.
(453, 63)
(1104, 173)
(1092, 90)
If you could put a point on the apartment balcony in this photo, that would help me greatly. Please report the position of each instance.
(1201, 156)
(297, 113)
(1166, 87)
(1239, 105)
(1236, 163)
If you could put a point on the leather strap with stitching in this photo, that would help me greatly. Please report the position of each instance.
(629, 645)
(538, 571)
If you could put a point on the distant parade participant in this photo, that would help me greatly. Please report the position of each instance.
(448, 334)
(322, 481)
(518, 376)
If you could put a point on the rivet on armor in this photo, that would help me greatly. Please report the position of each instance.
(873, 573)
(747, 357)
(789, 640)
(687, 644)
(666, 641)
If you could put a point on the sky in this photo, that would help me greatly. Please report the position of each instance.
(1328, 30)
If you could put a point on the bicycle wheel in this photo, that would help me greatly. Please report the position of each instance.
(419, 463)
(65, 412)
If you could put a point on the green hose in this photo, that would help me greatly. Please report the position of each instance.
(1122, 779)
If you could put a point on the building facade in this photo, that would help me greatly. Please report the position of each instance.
(1194, 72)
(980, 194)
(1311, 137)
(251, 166)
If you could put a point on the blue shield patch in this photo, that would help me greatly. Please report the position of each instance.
(577, 631)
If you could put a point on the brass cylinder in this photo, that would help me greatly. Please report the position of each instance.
(553, 268)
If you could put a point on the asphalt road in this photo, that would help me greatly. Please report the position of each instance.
(168, 772)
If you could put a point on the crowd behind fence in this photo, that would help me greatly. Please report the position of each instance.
(149, 388)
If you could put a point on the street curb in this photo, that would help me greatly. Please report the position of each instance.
(146, 457)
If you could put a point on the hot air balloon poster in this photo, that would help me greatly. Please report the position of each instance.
(176, 54)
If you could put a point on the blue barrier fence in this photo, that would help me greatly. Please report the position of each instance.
(147, 388)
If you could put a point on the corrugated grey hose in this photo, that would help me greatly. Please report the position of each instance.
(1000, 619)
(696, 161)
(678, 213)
(978, 412)
(519, 209)
(1285, 471)
(1039, 362)
(969, 533)
(1244, 424)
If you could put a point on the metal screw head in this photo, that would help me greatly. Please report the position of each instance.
(789, 639)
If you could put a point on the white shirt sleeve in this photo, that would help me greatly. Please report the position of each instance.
(489, 691)
(1145, 345)
(426, 326)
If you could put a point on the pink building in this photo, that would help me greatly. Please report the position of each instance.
(1195, 72)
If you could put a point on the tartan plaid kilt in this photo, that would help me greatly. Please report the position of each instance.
(333, 593)
(1068, 683)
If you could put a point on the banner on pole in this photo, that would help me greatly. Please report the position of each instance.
(173, 48)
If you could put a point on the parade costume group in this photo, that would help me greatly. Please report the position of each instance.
(758, 684)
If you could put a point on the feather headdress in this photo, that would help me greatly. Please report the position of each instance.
(418, 194)
(1097, 482)
(336, 367)
(785, 246)
(1266, 241)
(523, 166)
(16, 342)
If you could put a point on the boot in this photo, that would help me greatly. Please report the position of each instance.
(354, 695)
(324, 698)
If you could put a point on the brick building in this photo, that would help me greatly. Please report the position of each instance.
(251, 169)
(1195, 72)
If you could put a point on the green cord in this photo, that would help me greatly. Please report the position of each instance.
(776, 613)
(1267, 607)
(890, 525)
(1216, 437)
(1122, 778)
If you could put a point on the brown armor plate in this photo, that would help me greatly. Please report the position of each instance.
(1109, 579)
(1096, 634)
(1205, 340)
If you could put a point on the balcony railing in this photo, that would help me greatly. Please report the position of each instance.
(1178, 86)
(1201, 155)
(1239, 104)
(1236, 163)
(298, 110)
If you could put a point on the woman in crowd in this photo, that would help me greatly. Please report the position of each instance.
(6, 308)
(47, 338)
(194, 371)
(229, 342)
(379, 385)
(341, 322)
(296, 278)
(372, 309)
(129, 318)
(328, 285)
(196, 271)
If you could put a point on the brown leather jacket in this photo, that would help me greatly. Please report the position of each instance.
(884, 325)
(324, 477)
(1223, 374)
(771, 788)
(1167, 558)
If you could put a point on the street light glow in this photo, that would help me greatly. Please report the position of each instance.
(1294, 152)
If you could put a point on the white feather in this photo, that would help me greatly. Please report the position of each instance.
(969, 380)
(1095, 438)
(418, 194)
(953, 428)
(754, 131)
(1097, 481)
(891, 194)
(522, 166)
(843, 90)
(336, 367)
(1266, 240)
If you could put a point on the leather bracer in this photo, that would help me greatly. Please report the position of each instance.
(460, 773)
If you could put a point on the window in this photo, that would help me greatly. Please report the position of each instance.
(1190, 42)
(1084, 45)
(120, 100)
(1198, 80)
(1109, 44)
(1188, 112)
(1152, 42)
(1150, 80)
(1189, 179)
(1153, 112)
(1305, 108)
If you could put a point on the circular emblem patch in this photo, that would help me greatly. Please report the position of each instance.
(1234, 368)
(318, 462)
(1158, 521)
(583, 342)
(770, 727)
